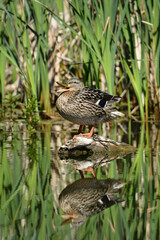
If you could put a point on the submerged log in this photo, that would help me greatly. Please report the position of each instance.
(94, 152)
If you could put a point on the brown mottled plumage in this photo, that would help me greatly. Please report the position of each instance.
(84, 105)
(86, 197)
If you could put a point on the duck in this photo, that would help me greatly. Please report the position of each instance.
(85, 106)
(87, 197)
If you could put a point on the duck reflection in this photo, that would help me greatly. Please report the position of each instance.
(88, 154)
(86, 197)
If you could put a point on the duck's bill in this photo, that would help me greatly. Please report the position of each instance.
(62, 84)
(66, 89)
(69, 220)
(63, 90)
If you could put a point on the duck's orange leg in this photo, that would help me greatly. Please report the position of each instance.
(88, 135)
(81, 173)
(89, 169)
(80, 129)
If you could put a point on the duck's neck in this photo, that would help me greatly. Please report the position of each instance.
(65, 96)
(63, 100)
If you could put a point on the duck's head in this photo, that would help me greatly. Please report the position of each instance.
(73, 84)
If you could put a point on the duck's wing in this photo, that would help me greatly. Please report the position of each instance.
(97, 96)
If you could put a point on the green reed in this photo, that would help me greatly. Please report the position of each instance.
(18, 35)
(118, 40)
(31, 178)
(119, 31)
(25, 191)
(98, 28)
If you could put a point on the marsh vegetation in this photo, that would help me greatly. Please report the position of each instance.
(111, 45)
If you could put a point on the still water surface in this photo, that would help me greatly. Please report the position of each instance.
(33, 175)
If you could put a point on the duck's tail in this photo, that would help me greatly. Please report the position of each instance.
(115, 113)
(112, 113)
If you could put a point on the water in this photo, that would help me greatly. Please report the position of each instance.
(32, 176)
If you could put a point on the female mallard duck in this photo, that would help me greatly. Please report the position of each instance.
(86, 197)
(85, 106)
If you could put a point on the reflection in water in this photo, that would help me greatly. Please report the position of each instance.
(32, 177)
(88, 154)
(86, 197)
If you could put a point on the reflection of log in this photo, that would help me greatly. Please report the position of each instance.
(82, 147)
(94, 152)
(86, 197)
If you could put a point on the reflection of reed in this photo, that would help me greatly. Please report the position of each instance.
(58, 171)
(154, 145)
(153, 152)
(30, 187)
(86, 197)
